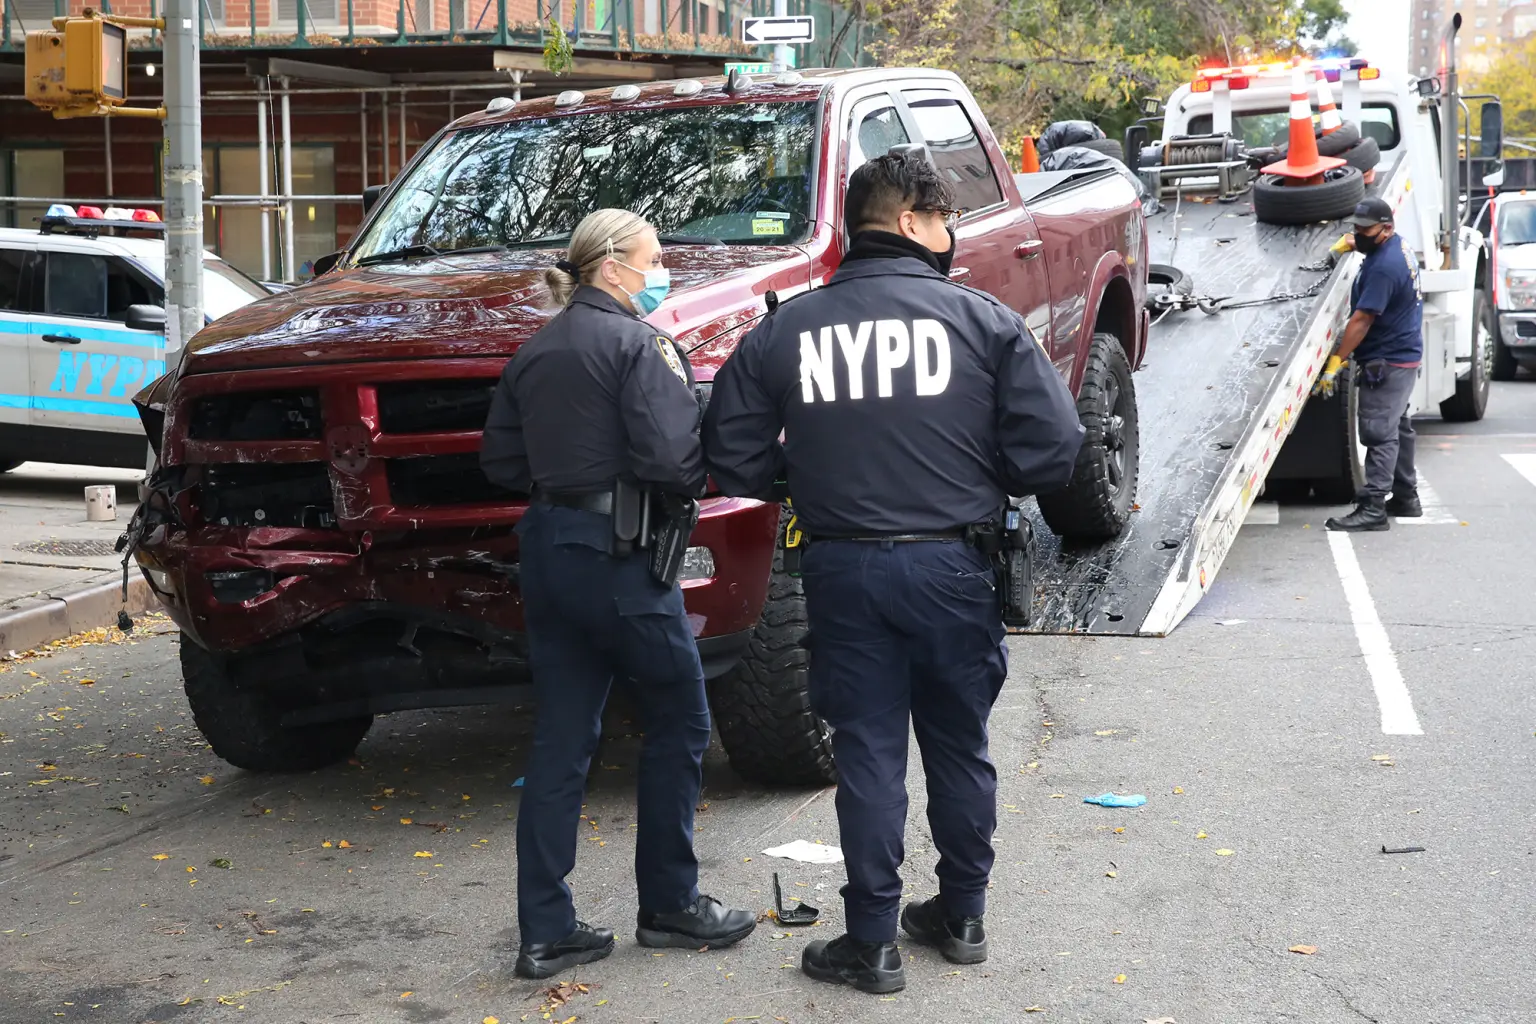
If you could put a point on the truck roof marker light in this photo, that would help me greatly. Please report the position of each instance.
(1369, 74)
(625, 93)
(1200, 85)
(789, 78)
(688, 87)
(570, 98)
(500, 104)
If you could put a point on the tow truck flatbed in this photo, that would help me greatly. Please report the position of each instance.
(1218, 395)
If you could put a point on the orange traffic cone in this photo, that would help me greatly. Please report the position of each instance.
(1028, 157)
(1301, 160)
(1332, 122)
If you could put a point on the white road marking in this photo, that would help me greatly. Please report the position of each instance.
(1525, 465)
(1263, 513)
(1397, 714)
(1435, 512)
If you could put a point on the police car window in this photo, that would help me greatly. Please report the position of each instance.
(76, 285)
(739, 173)
(875, 132)
(124, 289)
(957, 151)
(13, 263)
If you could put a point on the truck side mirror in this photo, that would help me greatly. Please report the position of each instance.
(143, 317)
(1136, 137)
(371, 197)
(1428, 87)
(1491, 144)
(325, 264)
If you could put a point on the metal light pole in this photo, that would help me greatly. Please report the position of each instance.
(182, 160)
(782, 55)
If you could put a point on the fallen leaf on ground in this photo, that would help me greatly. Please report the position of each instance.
(1119, 979)
(424, 853)
(1106, 732)
(1034, 1009)
(1160, 1020)
(1110, 874)
(1201, 835)
(1178, 789)
(406, 995)
(405, 821)
(1303, 950)
(328, 844)
(1058, 796)
(490, 1020)
(206, 780)
(87, 682)
(344, 845)
(1119, 830)
(378, 807)
(1225, 853)
(161, 856)
(221, 862)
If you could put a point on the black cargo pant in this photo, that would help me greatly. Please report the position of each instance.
(591, 617)
(907, 632)
(1386, 430)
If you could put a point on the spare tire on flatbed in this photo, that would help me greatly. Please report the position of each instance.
(1277, 202)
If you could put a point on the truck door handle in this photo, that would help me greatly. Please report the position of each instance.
(960, 275)
(1030, 249)
(61, 339)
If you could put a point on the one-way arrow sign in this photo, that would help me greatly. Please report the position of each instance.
(778, 30)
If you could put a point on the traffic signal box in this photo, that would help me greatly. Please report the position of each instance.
(79, 68)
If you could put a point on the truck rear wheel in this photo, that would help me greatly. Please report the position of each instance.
(1470, 401)
(763, 705)
(244, 728)
(1096, 503)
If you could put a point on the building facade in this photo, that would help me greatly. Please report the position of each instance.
(1485, 26)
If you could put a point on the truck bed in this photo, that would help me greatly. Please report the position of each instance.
(1209, 387)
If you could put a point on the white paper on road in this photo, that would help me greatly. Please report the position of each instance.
(806, 852)
(1397, 715)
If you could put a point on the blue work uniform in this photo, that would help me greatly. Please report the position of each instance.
(910, 407)
(594, 396)
(1387, 362)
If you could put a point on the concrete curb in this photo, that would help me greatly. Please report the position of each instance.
(75, 611)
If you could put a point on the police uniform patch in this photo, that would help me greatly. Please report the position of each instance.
(669, 353)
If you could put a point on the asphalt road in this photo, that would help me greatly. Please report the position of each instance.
(1255, 731)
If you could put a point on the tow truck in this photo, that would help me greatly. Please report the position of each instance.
(1230, 368)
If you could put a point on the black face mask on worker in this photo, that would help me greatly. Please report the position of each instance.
(1368, 244)
(947, 257)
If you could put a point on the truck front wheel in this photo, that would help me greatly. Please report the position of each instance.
(245, 729)
(763, 705)
(1094, 506)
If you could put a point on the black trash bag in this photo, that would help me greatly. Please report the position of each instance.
(1066, 133)
(1071, 158)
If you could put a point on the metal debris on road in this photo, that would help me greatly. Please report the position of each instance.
(802, 914)
(1404, 849)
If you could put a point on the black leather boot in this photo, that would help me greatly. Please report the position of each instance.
(702, 924)
(582, 946)
(1404, 506)
(962, 940)
(1369, 515)
(867, 966)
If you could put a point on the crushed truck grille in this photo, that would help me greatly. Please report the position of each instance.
(270, 494)
(441, 480)
(257, 416)
(438, 406)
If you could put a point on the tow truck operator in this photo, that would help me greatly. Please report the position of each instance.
(1384, 334)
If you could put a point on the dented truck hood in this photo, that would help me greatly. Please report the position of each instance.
(473, 305)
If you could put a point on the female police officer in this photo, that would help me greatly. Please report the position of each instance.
(595, 397)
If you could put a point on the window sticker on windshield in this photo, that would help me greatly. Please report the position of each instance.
(597, 152)
(762, 225)
(775, 214)
(764, 114)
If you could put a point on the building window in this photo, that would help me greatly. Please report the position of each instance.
(234, 232)
(1482, 22)
(30, 172)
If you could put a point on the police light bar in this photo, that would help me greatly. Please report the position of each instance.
(1241, 76)
(60, 210)
(146, 216)
(90, 213)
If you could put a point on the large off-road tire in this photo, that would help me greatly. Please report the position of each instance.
(1109, 147)
(1346, 135)
(242, 726)
(763, 706)
(1095, 505)
(1470, 401)
(1277, 203)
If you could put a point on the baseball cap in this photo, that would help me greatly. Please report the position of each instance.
(1370, 212)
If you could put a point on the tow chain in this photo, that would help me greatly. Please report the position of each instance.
(1210, 305)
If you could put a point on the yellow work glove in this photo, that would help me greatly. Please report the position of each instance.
(1346, 243)
(1327, 382)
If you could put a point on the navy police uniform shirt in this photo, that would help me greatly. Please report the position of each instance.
(596, 395)
(907, 403)
(1388, 286)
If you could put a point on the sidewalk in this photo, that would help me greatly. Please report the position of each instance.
(58, 572)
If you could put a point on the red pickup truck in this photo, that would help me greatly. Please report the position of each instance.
(317, 522)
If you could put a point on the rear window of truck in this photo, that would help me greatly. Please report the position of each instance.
(733, 173)
(1270, 127)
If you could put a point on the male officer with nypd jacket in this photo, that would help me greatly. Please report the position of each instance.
(909, 407)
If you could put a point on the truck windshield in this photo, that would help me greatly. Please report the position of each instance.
(1517, 224)
(1272, 128)
(733, 173)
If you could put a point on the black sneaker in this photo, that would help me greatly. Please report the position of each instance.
(867, 966)
(545, 959)
(1405, 506)
(962, 940)
(1369, 515)
(703, 924)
